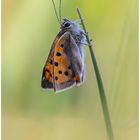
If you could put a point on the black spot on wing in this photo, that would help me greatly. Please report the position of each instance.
(56, 78)
(47, 70)
(58, 54)
(66, 73)
(60, 72)
(51, 61)
(69, 67)
(56, 63)
(62, 45)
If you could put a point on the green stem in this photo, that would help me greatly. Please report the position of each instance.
(100, 84)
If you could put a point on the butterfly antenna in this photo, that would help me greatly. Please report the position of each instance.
(56, 12)
(60, 10)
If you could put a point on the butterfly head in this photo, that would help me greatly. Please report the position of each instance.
(69, 25)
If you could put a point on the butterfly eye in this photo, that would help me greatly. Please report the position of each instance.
(67, 25)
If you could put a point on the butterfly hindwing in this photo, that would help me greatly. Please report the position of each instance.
(75, 54)
(47, 79)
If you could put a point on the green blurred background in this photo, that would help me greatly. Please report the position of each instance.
(30, 113)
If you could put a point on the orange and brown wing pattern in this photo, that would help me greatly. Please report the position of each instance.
(63, 72)
(62, 67)
(47, 77)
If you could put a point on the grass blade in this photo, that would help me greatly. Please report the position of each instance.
(100, 84)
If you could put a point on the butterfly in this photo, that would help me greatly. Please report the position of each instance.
(65, 66)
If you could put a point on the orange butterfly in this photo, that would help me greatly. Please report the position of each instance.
(65, 66)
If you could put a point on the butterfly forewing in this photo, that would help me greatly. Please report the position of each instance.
(63, 73)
